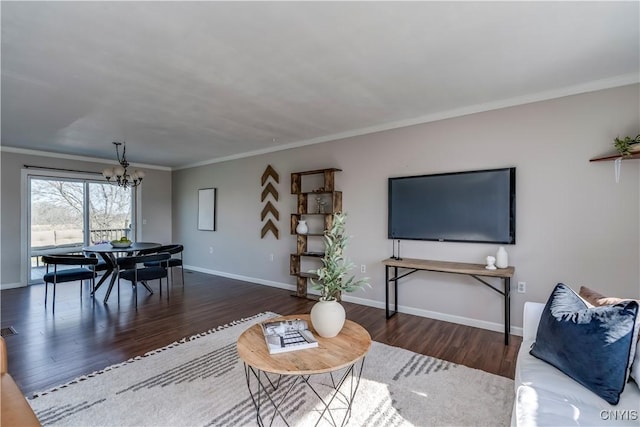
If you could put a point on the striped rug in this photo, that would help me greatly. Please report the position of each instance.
(199, 381)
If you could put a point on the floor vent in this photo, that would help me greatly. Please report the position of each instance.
(7, 332)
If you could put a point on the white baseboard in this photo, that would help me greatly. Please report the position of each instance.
(482, 324)
(243, 278)
(4, 286)
(491, 326)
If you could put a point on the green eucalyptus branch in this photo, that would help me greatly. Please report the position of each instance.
(332, 277)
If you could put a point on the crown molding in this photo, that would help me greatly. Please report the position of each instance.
(593, 86)
(74, 157)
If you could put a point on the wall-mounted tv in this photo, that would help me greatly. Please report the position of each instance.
(474, 206)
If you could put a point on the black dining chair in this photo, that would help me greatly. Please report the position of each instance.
(174, 261)
(82, 268)
(132, 268)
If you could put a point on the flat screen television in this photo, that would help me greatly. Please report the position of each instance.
(475, 206)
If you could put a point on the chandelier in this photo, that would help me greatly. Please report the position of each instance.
(119, 174)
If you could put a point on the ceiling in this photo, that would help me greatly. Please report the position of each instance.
(187, 83)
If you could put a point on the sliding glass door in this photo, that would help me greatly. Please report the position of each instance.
(110, 212)
(66, 213)
(56, 220)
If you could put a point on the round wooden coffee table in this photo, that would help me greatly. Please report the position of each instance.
(341, 358)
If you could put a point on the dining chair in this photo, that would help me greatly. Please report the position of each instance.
(78, 271)
(174, 261)
(132, 268)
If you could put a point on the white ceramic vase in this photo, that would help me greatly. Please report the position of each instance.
(502, 258)
(327, 318)
(302, 227)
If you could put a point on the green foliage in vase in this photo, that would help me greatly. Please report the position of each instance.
(622, 145)
(332, 276)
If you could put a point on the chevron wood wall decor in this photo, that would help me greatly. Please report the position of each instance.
(270, 172)
(270, 226)
(269, 208)
(269, 189)
(268, 177)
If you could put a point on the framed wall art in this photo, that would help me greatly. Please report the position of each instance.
(207, 209)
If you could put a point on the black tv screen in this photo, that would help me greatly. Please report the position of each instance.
(475, 206)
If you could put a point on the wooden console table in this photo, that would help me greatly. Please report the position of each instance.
(474, 270)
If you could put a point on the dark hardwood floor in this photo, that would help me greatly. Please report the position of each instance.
(83, 336)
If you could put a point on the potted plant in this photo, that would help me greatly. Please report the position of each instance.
(328, 315)
(627, 145)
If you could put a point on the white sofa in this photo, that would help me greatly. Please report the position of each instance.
(547, 397)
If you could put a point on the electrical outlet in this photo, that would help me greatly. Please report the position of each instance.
(210, 249)
(522, 287)
(363, 268)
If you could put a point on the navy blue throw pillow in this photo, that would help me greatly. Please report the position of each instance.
(591, 345)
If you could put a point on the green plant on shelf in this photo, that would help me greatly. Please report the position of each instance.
(624, 145)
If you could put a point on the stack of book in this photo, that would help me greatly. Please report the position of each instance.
(288, 335)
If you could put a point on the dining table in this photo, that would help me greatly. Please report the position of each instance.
(109, 253)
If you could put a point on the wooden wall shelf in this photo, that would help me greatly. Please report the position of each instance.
(333, 205)
(611, 157)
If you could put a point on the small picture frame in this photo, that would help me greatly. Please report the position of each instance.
(207, 209)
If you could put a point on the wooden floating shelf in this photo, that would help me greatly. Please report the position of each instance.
(610, 157)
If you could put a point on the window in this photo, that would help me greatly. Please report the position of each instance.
(66, 212)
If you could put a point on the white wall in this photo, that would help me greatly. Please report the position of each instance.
(574, 223)
(155, 196)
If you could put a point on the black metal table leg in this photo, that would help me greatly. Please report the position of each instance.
(395, 289)
(113, 280)
(110, 268)
(266, 391)
(507, 309)
(386, 281)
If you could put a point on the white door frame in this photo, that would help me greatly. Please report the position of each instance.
(25, 213)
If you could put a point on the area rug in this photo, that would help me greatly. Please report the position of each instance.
(200, 381)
